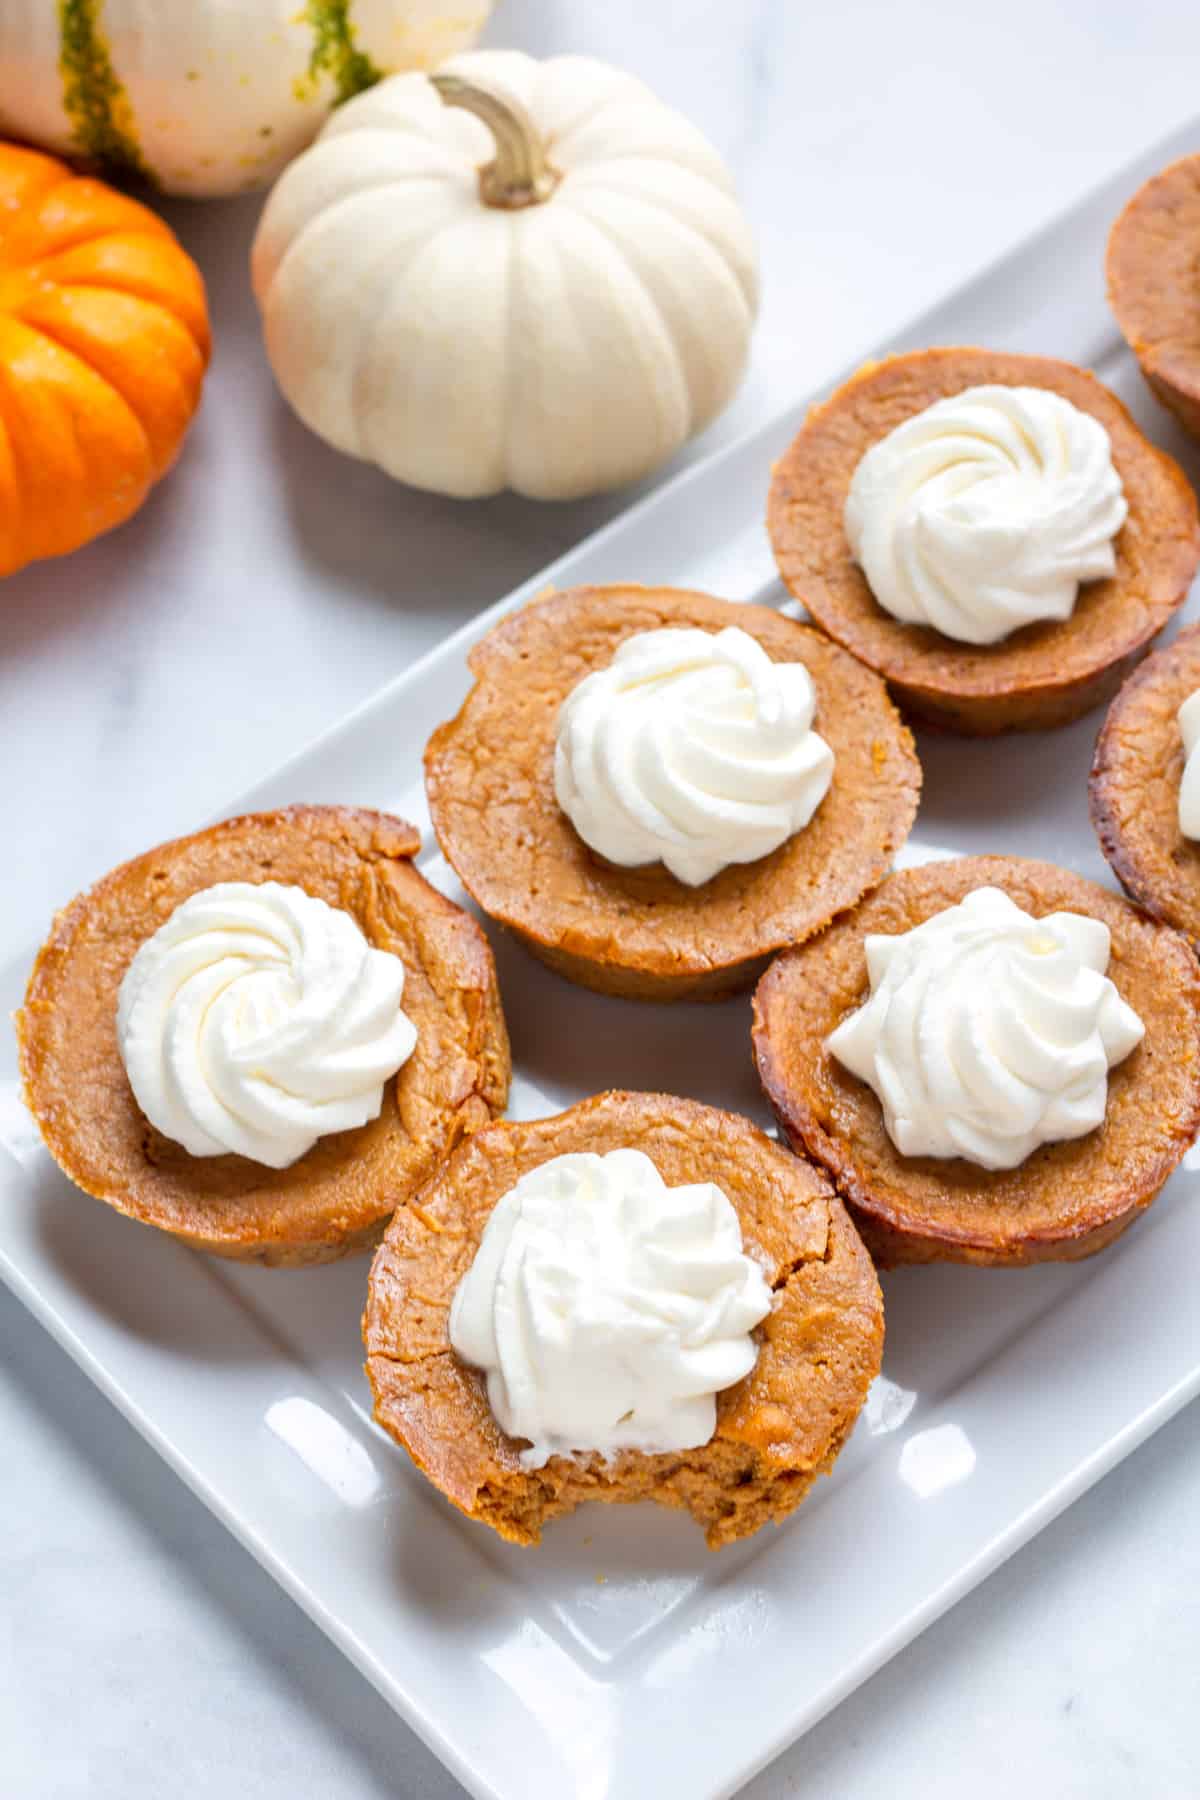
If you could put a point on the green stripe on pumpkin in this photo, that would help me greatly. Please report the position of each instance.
(335, 51)
(102, 124)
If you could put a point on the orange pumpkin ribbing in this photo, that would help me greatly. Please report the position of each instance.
(104, 341)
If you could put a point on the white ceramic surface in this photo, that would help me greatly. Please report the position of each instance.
(581, 1670)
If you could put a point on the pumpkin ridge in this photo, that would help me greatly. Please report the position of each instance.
(335, 52)
(91, 372)
(622, 257)
(102, 124)
(346, 200)
(510, 308)
(79, 233)
(144, 265)
(155, 231)
(399, 273)
(607, 175)
(83, 234)
(117, 382)
(716, 177)
(23, 486)
(13, 487)
(54, 172)
(558, 139)
(128, 292)
(655, 203)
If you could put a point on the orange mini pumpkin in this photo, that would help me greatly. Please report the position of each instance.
(103, 346)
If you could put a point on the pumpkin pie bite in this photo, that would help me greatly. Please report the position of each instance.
(991, 532)
(1154, 285)
(639, 1299)
(264, 1037)
(997, 1061)
(1144, 789)
(655, 789)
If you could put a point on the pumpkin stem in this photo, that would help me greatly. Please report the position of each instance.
(519, 174)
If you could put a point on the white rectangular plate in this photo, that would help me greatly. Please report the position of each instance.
(586, 1668)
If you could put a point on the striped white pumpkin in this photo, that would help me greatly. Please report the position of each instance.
(205, 96)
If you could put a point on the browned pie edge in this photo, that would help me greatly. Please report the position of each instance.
(1018, 685)
(767, 1455)
(345, 1233)
(1129, 813)
(1150, 321)
(896, 1236)
(664, 973)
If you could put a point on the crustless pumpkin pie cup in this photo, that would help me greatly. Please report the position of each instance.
(1153, 269)
(1042, 675)
(336, 1198)
(777, 1429)
(639, 932)
(1134, 786)
(1063, 1202)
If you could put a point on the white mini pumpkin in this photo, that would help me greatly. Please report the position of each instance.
(205, 96)
(552, 300)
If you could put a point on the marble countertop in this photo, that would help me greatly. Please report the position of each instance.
(884, 153)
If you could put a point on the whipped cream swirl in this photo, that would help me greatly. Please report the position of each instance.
(258, 1019)
(985, 511)
(607, 1309)
(989, 1032)
(1189, 787)
(693, 749)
